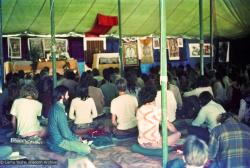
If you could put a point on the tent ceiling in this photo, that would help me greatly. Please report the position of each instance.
(139, 17)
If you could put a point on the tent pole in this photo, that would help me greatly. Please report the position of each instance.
(1, 48)
(120, 38)
(211, 35)
(163, 81)
(53, 41)
(201, 37)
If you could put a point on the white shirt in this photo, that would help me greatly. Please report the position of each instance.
(82, 111)
(26, 111)
(198, 91)
(177, 95)
(171, 105)
(219, 92)
(124, 107)
(208, 115)
(244, 114)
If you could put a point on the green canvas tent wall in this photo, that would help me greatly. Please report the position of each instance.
(139, 17)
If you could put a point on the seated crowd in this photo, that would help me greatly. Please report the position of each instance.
(215, 108)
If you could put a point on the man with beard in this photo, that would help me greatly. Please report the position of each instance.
(60, 137)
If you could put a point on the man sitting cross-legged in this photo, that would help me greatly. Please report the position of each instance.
(25, 111)
(59, 134)
(123, 109)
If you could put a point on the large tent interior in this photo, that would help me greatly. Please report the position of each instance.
(78, 22)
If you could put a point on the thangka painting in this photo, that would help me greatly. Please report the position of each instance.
(36, 46)
(194, 50)
(145, 50)
(173, 49)
(14, 48)
(130, 54)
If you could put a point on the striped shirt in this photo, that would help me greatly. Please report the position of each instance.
(149, 118)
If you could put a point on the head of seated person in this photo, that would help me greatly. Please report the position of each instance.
(121, 85)
(195, 152)
(202, 81)
(29, 91)
(205, 98)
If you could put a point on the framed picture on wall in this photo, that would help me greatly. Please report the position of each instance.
(35, 45)
(14, 48)
(130, 54)
(61, 46)
(145, 50)
(194, 50)
(180, 42)
(156, 43)
(173, 49)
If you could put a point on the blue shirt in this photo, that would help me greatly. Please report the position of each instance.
(58, 129)
(176, 163)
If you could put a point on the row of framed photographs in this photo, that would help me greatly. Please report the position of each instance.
(142, 49)
(40, 46)
(173, 45)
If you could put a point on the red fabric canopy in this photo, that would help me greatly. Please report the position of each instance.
(102, 25)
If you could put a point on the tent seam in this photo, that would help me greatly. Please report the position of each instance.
(131, 13)
(10, 15)
(196, 25)
(174, 9)
(142, 25)
(59, 22)
(234, 14)
(74, 29)
(190, 13)
(38, 13)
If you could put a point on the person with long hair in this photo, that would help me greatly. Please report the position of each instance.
(24, 120)
(82, 110)
(60, 137)
(149, 118)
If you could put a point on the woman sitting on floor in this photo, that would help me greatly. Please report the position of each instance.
(149, 118)
(82, 111)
